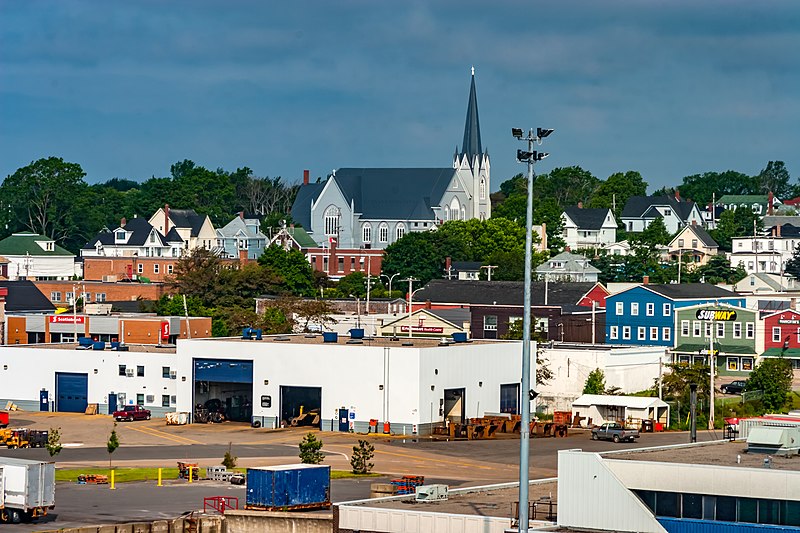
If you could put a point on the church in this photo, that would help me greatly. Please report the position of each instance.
(370, 208)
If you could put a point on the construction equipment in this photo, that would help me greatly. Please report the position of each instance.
(5, 434)
(19, 439)
(185, 468)
(38, 438)
(408, 484)
(92, 479)
(310, 418)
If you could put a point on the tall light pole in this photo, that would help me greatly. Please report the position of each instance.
(527, 393)
(411, 292)
(390, 278)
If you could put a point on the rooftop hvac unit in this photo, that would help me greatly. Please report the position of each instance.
(431, 493)
(774, 440)
(129, 372)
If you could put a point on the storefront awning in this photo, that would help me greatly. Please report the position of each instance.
(702, 349)
(776, 352)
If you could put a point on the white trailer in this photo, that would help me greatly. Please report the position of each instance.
(28, 489)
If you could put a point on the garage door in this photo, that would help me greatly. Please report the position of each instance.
(72, 392)
(224, 386)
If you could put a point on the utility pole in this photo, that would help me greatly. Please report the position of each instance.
(410, 281)
(369, 280)
(528, 393)
(489, 269)
(711, 372)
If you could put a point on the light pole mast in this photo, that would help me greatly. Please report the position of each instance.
(527, 393)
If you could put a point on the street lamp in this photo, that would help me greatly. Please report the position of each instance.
(411, 292)
(390, 278)
(529, 156)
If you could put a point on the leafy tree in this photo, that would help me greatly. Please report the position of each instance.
(595, 382)
(415, 255)
(354, 284)
(295, 274)
(773, 375)
(229, 461)
(112, 444)
(792, 267)
(319, 311)
(740, 222)
(718, 270)
(310, 450)
(701, 188)
(53, 444)
(614, 192)
(775, 178)
(567, 186)
(362, 454)
(654, 234)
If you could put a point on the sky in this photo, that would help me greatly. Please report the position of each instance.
(665, 88)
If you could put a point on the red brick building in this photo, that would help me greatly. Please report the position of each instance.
(61, 292)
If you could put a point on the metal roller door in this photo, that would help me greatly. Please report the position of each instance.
(72, 391)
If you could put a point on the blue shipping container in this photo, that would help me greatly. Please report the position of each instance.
(288, 487)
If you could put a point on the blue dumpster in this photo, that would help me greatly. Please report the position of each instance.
(287, 487)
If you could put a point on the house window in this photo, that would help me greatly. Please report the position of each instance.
(666, 333)
(341, 264)
(694, 243)
(165, 372)
(122, 370)
(155, 268)
(332, 220)
(708, 329)
(169, 268)
(383, 232)
(720, 330)
(653, 333)
(620, 308)
(99, 297)
(667, 311)
(152, 237)
(680, 243)
(634, 308)
(614, 333)
(399, 231)
(483, 189)
(119, 236)
(69, 297)
(641, 333)
(651, 309)
(685, 328)
(140, 371)
(696, 329)
(165, 400)
(366, 233)
(733, 363)
(751, 330)
(737, 330)
(776, 334)
(626, 333)
(55, 296)
(140, 268)
(667, 212)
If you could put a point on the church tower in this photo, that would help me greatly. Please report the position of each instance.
(472, 161)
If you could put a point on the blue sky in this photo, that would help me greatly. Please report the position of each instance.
(668, 88)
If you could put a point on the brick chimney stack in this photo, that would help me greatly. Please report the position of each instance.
(241, 215)
(305, 177)
(166, 219)
(580, 205)
(645, 280)
(770, 200)
(123, 222)
(678, 194)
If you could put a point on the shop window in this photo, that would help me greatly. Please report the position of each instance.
(747, 363)
(733, 364)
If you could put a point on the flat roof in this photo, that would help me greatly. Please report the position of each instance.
(139, 348)
(344, 340)
(717, 453)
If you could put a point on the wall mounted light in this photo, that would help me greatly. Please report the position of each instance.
(480, 384)
(95, 371)
(433, 387)
(380, 387)
(183, 378)
(266, 382)
(436, 371)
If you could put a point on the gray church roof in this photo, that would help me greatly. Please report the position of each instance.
(472, 128)
(301, 209)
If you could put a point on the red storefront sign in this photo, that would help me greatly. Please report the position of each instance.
(67, 319)
(423, 329)
(165, 330)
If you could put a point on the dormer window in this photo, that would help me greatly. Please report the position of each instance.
(49, 246)
(120, 236)
(152, 236)
(667, 212)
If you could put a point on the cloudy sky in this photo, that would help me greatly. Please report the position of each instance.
(667, 88)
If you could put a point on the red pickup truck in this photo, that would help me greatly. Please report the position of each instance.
(132, 412)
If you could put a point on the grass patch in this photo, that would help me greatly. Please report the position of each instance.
(126, 475)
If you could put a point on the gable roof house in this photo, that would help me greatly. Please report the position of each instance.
(33, 257)
(588, 227)
(641, 211)
(760, 204)
(134, 237)
(374, 207)
(196, 231)
(567, 267)
(693, 243)
(241, 236)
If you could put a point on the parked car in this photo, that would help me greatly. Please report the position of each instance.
(734, 387)
(131, 413)
(614, 431)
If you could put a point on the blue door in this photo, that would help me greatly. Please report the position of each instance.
(44, 400)
(344, 420)
(112, 403)
(72, 391)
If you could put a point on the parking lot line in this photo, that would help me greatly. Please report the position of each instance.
(156, 433)
(434, 460)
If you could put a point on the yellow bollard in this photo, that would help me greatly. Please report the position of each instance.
(112, 481)
(159, 477)
(191, 470)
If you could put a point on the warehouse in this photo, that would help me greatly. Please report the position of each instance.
(407, 385)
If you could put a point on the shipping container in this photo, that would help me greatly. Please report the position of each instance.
(29, 488)
(287, 487)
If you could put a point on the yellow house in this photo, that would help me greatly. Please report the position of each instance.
(428, 323)
(694, 245)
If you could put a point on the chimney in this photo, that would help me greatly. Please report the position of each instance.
(770, 199)
(694, 222)
(448, 262)
(778, 230)
(580, 205)
(241, 215)
(122, 222)
(645, 280)
(428, 304)
(305, 177)
(166, 219)
(678, 195)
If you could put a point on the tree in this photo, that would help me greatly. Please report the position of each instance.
(112, 444)
(362, 454)
(53, 444)
(653, 235)
(414, 255)
(595, 382)
(702, 187)
(615, 191)
(229, 461)
(353, 284)
(310, 450)
(740, 222)
(792, 267)
(773, 375)
(295, 274)
(775, 178)
(317, 311)
(718, 270)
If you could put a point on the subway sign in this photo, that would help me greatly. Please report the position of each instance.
(715, 314)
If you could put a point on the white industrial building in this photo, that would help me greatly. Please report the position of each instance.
(408, 383)
(630, 369)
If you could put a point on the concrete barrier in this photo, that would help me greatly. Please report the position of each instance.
(277, 522)
(204, 524)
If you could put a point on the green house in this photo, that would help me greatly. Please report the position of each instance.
(727, 331)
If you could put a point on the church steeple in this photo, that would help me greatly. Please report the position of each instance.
(472, 129)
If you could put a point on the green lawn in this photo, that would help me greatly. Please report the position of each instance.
(123, 475)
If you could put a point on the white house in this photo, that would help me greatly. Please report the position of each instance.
(641, 211)
(196, 231)
(133, 238)
(588, 227)
(374, 207)
(567, 267)
(36, 257)
(765, 254)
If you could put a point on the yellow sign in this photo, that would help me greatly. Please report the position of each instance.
(715, 314)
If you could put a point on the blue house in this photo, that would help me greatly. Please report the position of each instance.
(644, 315)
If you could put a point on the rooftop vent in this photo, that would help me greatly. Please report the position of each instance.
(774, 440)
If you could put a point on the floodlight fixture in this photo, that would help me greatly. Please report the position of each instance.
(538, 156)
(524, 156)
(543, 132)
(516, 132)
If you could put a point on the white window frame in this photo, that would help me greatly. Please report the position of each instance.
(685, 328)
(331, 219)
(140, 268)
(399, 231)
(667, 309)
(366, 232)
(626, 333)
(653, 333)
(170, 268)
(776, 334)
(620, 307)
(720, 333)
(750, 330)
(650, 309)
(697, 328)
(55, 296)
(708, 329)
(641, 333)
(737, 330)
(156, 268)
(634, 308)
(666, 334)
(613, 332)
(383, 232)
